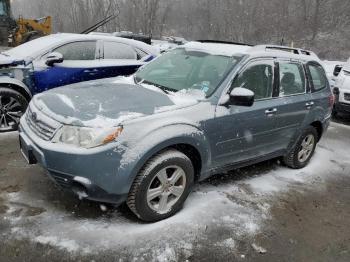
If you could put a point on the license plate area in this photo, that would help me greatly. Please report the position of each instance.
(27, 152)
(347, 97)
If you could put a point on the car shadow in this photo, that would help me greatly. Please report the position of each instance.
(341, 119)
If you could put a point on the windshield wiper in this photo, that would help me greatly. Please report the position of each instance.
(143, 81)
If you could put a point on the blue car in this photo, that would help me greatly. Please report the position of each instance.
(59, 60)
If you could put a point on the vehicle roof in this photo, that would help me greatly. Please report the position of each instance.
(227, 49)
(138, 44)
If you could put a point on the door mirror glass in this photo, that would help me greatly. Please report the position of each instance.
(337, 70)
(242, 97)
(54, 58)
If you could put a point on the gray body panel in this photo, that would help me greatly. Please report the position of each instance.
(224, 136)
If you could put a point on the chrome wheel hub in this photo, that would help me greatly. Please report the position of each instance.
(306, 148)
(166, 189)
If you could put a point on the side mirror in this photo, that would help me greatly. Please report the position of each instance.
(54, 58)
(337, 70)
(241, 97)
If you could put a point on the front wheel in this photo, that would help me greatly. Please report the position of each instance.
(303, 150)
(12, 106)
(162, 186)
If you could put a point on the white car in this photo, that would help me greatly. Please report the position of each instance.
(341, 90)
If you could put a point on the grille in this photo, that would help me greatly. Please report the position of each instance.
(39, 126)
(347, 97)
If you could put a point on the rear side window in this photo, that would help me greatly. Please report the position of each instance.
(318, 77)
(257, 78)
(292, 79)
(78, 51)
(113, 50)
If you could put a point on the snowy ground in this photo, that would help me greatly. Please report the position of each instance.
(245, 215)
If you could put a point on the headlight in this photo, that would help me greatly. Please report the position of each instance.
(86, 137)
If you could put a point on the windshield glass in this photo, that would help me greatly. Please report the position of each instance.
(184, 69)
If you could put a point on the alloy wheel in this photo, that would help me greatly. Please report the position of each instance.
(166, 188)
(11, 111)
(306, 148)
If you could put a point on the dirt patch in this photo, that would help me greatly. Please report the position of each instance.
(11, 189)
(312, 226)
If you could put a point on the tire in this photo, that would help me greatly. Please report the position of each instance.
(12, 106)
(294, 159)
(148, 184)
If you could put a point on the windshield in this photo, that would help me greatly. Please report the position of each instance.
(3, 9)
(32, 48)
(183, 69)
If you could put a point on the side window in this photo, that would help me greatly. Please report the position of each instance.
(257, 78)
(113, 50)
(78, 51)
(292, 79)
(318, 77)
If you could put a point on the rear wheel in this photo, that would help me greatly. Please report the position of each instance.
(12, 106)
(303, 150)
(162, 186)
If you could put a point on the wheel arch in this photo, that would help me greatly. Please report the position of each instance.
(319, 128)
(195, 147)
(7, 82)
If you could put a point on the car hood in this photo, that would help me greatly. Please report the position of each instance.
(105, 103)
(11, 61)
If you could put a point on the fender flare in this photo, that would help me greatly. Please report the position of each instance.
(156, 141)
(17, 85)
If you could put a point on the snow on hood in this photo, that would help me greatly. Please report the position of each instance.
(7, 60)
(107, 102)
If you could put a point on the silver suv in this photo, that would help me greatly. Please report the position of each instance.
(198, 110)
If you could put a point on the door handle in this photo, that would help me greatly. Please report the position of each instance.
(309, 105)
(89, 71)
(271, 111)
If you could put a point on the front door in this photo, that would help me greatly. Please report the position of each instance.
(80, 64)
(243, 133)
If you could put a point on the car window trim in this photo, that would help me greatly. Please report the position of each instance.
(228, 89)
(67, 43)
(291, 61)
(312, 87)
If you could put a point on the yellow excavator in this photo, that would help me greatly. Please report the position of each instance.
(15, 32)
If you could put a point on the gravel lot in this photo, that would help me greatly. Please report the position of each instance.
(261, 213)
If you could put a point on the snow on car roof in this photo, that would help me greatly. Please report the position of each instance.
(218, 48)
(258, 50)
(36, 47)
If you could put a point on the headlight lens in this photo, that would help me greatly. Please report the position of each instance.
(86, 137)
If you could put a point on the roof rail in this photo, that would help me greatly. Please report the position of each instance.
(297, 51)
(223, 42)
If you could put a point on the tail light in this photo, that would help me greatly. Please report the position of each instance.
(331, 100)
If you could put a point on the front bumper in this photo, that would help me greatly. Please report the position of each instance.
(91, 175)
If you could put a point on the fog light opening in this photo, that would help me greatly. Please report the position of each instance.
(80, 190)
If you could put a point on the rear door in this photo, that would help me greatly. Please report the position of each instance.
(294, 100)
(119, 59)
(80, 64)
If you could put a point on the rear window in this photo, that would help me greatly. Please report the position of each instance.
(113, 50)
(318, 77)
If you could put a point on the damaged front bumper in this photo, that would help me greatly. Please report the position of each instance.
(91, 175)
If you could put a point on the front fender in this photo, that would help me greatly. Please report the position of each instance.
(8, 81)
(134, 155)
